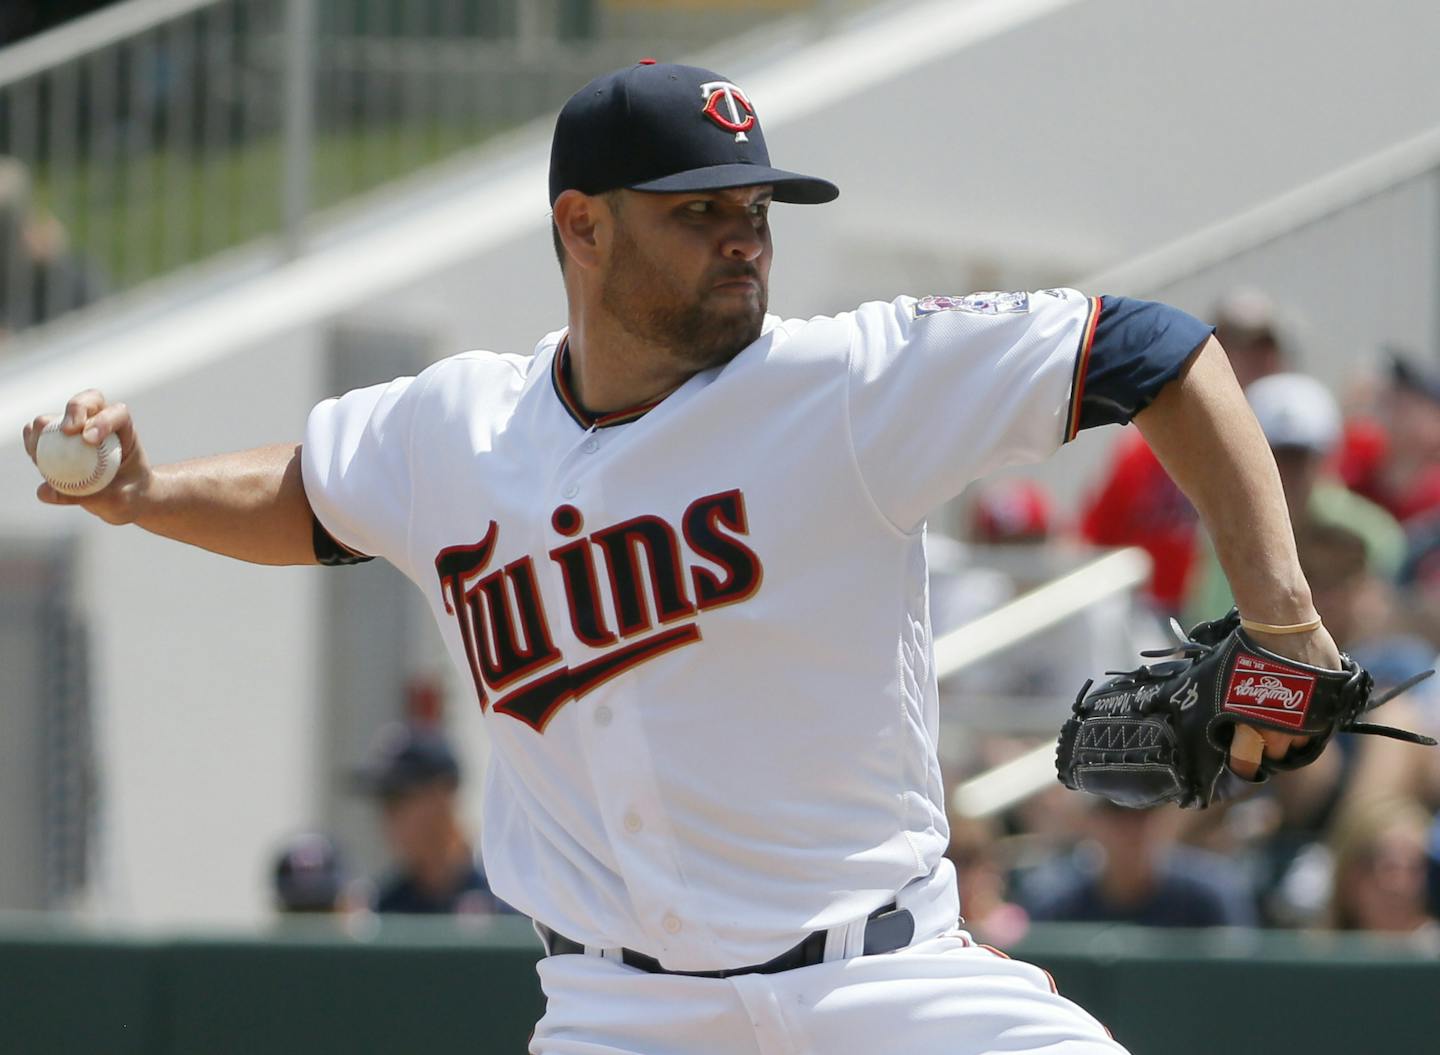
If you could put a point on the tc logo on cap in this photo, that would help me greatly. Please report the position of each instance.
(738, 115)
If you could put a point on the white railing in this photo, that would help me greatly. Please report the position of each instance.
(1040, 609)
(1365, 237)
(1295, 210)
(997, 789)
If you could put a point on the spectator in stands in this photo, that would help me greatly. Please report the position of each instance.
(1133, 870)
(1301, 421)
(1363, 615)
(1013, 513)
(416, 777)
(1137, 504)
(1360, 610)
(1432, 869)
(1415, 393)
(309, 876)
(1394, 458)
(40, 277)
(987, 912)
(1248, 325)
(1379, 855)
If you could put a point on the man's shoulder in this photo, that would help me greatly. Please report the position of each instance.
(475, 379)
(825, 335)
(479, 363)
(870, 309)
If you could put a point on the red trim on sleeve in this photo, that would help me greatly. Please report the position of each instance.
(1082, 364)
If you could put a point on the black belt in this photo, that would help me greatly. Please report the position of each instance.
(888, 928)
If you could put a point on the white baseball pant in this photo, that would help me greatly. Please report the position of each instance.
(942, 996)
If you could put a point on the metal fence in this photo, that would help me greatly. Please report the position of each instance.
(156, 133)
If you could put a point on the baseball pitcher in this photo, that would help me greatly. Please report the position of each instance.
(676, 553)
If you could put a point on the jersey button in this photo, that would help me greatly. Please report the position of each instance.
(671, 923)
(570, 491)
(603, 715)
(633, 823)
(591, 446)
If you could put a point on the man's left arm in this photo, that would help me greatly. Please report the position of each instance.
(1204, 433)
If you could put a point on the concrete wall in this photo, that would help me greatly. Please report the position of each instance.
(206, 688)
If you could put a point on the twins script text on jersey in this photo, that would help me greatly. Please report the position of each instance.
(506, 629)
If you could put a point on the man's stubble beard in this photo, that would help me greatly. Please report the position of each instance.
(697, 332)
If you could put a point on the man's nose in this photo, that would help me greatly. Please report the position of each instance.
(742, 241)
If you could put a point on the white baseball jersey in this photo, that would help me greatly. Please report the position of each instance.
(699, 630)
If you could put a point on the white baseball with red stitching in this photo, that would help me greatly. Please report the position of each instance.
(74, 467)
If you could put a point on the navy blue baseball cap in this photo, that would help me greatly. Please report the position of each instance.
(406, 756)
(309, 874)
(666, 128)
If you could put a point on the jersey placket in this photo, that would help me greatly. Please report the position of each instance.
(609, 725)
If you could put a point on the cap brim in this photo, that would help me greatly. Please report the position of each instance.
(790, 187)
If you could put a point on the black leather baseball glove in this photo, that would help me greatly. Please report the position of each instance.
(1161, 733)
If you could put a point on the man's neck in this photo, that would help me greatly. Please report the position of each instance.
(611, 369)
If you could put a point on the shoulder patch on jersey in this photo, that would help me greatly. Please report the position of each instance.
(1060, 294)
(994, 303)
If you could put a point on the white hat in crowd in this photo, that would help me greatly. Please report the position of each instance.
(1295, 410)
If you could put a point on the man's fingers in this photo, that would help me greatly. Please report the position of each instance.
(1278, 744)
(50, 496)
(32, 433)
(80, 408)
(1247, 747)
(114, 418)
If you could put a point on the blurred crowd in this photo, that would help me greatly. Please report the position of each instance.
(413, 777)
(1351, 842)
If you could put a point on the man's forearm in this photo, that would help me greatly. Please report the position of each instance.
(1203, 432)
(250, 505)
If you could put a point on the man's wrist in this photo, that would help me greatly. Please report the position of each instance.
(1277, 605)
(1259, 627)
(148, 496)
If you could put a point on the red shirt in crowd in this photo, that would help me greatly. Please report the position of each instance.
(1363, 451)
(1139, 505)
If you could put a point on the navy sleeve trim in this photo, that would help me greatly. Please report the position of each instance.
(329, 551)
(1131, 350)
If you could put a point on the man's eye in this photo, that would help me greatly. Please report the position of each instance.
(698, 206)
(760, 209)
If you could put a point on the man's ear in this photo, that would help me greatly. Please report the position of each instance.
(578, 218)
